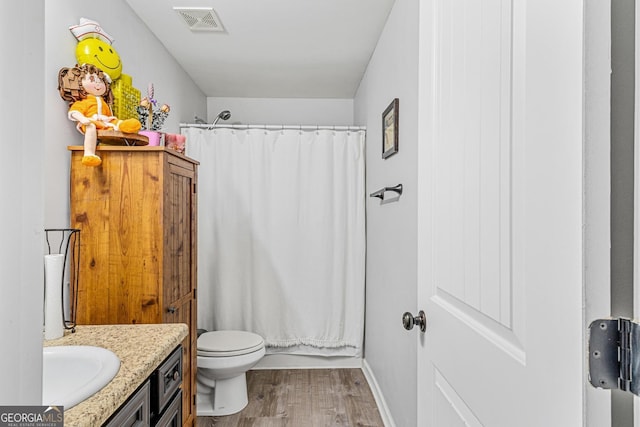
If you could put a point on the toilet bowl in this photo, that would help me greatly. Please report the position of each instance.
(224, 357)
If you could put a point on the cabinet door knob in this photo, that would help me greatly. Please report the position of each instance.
(172, 309)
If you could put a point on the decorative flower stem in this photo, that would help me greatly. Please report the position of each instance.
(151, 117)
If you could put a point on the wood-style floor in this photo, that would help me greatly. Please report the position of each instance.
(304, 398)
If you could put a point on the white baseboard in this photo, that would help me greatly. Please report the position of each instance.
(295, 361)
(377, 395)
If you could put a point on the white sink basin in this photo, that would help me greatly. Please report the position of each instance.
(70, 374)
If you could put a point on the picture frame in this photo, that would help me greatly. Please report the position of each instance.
(390, 129)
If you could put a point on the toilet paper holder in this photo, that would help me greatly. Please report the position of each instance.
(66, 241)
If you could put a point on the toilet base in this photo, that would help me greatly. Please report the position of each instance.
(228, 397)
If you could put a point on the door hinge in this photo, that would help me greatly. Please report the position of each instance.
(614, 354)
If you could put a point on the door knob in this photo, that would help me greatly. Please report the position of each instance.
(408, 321)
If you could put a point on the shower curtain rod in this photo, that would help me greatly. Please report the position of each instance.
(272, 127)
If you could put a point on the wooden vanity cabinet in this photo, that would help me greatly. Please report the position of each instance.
(137, 218)
(157, 402)
(135, 411)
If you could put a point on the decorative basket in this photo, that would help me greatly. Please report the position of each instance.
(125, 98)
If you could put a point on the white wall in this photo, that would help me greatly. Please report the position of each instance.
(390, 351)
(21, 215)
(278, 111)
(143, 57)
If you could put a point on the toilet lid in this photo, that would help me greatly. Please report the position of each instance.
(228, 343)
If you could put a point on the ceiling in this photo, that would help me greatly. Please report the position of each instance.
(272, 48)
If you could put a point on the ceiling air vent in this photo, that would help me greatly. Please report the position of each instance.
(200, 18)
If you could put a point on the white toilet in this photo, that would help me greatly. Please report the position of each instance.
(224, 357)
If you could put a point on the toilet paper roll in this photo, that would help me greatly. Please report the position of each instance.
(53, 321)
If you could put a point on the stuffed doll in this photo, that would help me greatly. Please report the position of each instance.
(87, 89)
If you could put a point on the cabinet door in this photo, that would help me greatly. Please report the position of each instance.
(179, 284)
(183, 311)
(135, 412)
(179, 232)
(173, 415)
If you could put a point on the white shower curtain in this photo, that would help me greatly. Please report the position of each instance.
(281, 236)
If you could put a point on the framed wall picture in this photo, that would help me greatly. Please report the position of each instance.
(390, 129)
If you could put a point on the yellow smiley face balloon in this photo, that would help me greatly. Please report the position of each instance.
(101, 54)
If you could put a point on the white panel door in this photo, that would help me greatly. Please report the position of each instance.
(636, 207)
(501, 213)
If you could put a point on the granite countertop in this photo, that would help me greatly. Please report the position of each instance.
(141, 348)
